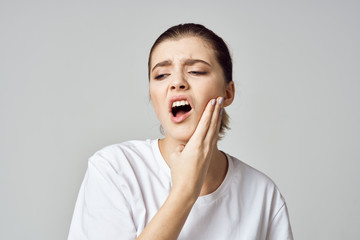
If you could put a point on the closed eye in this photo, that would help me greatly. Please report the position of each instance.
(197, 73)
(161, 76)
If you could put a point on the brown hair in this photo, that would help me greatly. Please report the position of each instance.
(218, 45)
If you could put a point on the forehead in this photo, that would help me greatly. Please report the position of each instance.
(182, 49)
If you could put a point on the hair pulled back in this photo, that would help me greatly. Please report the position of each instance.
(217, 44)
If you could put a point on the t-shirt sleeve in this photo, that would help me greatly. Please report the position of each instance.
(280, 228)
(102, 210)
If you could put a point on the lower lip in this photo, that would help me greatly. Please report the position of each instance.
(181, 118)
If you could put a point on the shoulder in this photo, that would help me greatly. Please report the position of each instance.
(135, 146)
(249, 173)
(122, 155)
(255, 183)
(257, 189)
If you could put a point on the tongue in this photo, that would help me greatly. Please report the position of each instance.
(180, 113)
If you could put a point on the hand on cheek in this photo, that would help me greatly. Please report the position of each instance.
(189, 164)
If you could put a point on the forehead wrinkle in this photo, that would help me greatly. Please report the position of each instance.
(186, 62)
(184, 52)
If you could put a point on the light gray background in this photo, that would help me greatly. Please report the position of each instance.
(73, 79)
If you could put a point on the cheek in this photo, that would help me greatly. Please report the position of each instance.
(157, 101)
(212, 91)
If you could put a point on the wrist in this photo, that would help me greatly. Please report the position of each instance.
(184, 195)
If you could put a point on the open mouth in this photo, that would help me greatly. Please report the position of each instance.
(180, 108)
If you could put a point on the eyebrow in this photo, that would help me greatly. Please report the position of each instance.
(188, 62)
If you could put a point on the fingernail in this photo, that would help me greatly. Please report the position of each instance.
(221, 111)
(220, 100)
(213, 102)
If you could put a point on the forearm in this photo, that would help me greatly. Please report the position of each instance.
(189, 166)
(171, 217)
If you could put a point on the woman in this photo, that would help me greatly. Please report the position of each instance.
(181, 186)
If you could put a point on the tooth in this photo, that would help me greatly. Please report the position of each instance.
(180, 103)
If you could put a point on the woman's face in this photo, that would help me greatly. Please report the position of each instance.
(184, 77)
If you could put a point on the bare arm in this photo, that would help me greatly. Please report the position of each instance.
(189, 166)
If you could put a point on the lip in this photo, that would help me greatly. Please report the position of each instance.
(179, 98)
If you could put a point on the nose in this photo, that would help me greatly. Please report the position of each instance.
(179, 82)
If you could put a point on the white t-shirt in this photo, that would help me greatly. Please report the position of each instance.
(126, 184)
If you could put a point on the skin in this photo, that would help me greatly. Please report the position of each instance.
(189, 147)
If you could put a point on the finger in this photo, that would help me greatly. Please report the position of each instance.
(180, 148)
(214, 127)
(205, 120)
(175, 154)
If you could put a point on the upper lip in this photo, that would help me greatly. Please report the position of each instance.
(179, 98)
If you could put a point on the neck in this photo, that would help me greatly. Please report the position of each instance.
(217, 168)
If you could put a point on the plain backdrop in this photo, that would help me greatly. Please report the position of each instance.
(73, 79)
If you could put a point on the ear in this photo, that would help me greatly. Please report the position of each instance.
(229, 93)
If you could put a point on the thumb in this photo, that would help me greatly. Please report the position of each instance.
(179, 148)
(176, 153)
